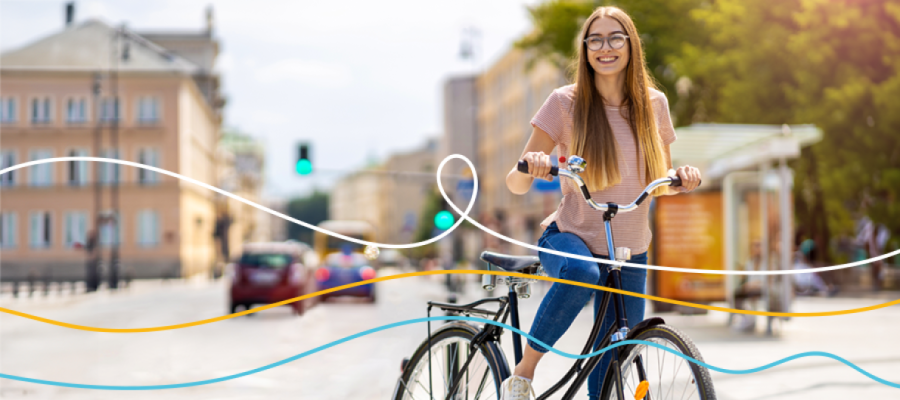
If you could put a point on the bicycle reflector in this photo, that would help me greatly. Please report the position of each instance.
(641, 390)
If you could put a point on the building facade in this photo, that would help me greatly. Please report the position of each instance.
(164, 119)
(389, 196)
(509, 94)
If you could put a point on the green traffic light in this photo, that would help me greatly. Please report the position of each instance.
(304, 167)
(443, 220)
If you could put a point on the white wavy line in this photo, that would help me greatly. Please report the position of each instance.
(464, 216)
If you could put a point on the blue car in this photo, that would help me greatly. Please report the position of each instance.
(340, 269)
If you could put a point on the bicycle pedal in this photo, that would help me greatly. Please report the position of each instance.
(641, 390)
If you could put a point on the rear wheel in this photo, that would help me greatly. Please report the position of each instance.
(669, 376)
(449, 351)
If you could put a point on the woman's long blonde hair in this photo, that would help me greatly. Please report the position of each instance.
(592, 137)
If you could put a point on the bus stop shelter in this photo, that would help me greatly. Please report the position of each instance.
(741, 218)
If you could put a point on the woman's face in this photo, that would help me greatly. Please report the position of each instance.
(607, 60)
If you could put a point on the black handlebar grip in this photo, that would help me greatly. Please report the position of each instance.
(676, 181)
(522, 166)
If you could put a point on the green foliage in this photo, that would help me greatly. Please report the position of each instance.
(835, 64)
(311, 209)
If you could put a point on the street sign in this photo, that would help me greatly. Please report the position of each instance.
(543, 186)
(464, 189)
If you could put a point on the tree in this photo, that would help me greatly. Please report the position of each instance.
(311, 209)
(835, 64)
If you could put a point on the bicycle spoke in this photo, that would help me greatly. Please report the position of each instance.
(481, 385)
(469, 369)
(406, 388)
(675, 375)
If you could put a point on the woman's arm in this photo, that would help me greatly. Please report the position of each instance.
(537, 154)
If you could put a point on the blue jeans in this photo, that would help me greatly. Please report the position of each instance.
(563, 302)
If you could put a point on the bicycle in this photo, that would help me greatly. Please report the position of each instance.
(461, 360)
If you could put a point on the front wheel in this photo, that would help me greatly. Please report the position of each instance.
(669, 376)
(425, 377)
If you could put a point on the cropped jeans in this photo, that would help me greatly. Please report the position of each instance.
(563, 302)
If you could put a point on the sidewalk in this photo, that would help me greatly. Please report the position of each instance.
(56, 298)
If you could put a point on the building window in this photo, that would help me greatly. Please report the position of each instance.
(110, 109)
(7, 159)
(148, 228)
(41, 230)
(76, 110)
(7, 230)
(148, 110)
(41, 174)
(148, 157)
(77, 169)
(76, 228)
(41, 110)
(7, 110)
(110, 230)
(109, 172)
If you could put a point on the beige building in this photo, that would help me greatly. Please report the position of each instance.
(509, 96)
(240, 172)
(166, 118)
(391, 202)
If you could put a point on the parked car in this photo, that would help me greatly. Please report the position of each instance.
(344, 268)
(271, 272)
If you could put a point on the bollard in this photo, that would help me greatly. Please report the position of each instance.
(15, 289)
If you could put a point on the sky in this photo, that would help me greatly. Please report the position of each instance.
(356, 79)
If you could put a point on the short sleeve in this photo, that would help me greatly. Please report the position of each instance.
(664, 121)
(550, 117)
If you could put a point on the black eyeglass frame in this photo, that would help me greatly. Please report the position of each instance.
(605, 41)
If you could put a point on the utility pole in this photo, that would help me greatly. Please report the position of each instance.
(114, 143)
(92, 278)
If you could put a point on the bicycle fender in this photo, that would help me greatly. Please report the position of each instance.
(647, 323)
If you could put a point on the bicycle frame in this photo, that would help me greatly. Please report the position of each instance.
(508, 307)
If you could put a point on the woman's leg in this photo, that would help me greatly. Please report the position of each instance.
(563, 302)
(633, 280)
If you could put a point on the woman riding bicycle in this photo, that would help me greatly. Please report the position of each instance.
(616, 119)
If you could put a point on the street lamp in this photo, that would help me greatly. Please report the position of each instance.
(114, 143)
(92, 278)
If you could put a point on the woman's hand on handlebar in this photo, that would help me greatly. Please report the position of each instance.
(690, 178)
(538, 165)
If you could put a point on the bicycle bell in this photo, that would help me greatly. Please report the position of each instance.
(577, 164)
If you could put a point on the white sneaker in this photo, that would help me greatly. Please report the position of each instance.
(516, 388)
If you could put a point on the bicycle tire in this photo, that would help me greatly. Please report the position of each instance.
(670, 337)
(412, 381)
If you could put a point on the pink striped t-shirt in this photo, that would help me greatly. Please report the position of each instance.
(574, 215)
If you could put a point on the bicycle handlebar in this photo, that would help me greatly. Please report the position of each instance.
(555, 171)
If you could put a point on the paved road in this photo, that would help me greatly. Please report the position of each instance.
(366, 368)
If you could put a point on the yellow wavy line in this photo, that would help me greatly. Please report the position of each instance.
(424, 273)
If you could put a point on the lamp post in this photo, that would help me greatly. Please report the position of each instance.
(92, 278)
(114, 143)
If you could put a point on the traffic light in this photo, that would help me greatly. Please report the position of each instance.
(443, 220)
(304, 165)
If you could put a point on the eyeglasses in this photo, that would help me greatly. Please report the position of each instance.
(616, 41)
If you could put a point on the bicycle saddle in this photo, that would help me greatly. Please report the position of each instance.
(511, 263)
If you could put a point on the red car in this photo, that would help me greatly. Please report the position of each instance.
(271, 272)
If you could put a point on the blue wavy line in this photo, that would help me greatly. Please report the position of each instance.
(451, 318)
